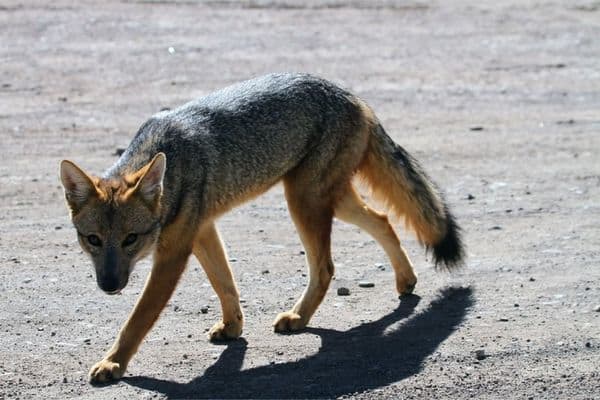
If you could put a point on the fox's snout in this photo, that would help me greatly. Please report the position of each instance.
(111, 275)
(111, 283)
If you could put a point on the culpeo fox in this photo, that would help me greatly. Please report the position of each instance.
(186, 167)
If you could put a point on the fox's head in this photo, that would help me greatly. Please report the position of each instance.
(117, 220)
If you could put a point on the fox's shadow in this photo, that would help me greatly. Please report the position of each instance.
(362, 358)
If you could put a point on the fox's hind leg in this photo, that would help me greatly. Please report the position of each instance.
(209, 250)
(350, 208)
(312, 214)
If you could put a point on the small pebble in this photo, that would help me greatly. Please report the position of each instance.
(27, 280)
(366, 284)
(119, 151)
(480, 355)
(204, 309)
(503, 320)
(476, 128)
(343, 291)
(532, 279)
(65, 379)
(265, 271)
(470, 197)
(588, 344)
(597, 308)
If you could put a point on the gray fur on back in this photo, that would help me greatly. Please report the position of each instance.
(241, 139)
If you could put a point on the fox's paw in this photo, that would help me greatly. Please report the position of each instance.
(288, 321)
(406, 285)
(105, 371)
(224, 331)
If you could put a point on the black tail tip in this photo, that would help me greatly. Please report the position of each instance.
(449, 253)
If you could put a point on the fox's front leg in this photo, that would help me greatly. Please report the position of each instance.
(168, 267)
(209, 250)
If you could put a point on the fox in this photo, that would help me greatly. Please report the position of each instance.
(186, 167)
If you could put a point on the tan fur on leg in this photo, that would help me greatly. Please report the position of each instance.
(350, 208)
(209, 250)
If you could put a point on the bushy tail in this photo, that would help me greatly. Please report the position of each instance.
(398, 180)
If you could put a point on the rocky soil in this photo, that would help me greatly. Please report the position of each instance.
(499, 100)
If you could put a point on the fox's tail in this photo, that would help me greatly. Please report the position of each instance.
(398, 180)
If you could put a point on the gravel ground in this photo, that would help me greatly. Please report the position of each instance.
(499, 100)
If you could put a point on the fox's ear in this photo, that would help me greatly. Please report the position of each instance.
(150, 185)
(78, 186)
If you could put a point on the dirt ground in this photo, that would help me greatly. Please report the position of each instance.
(500, 101)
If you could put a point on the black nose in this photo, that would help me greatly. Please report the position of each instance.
(109, 284)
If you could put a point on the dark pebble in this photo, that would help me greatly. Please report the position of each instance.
(343, 291)
(365, 284)
(480, 355)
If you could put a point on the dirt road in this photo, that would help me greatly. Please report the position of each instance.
(499, 100)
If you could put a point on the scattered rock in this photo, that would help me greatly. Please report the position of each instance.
(343, 291)
(476, 128)
(65, 379)
(204, 309)
(470, 197)
(597, 308)
(57, 228)
(232, 259)
(480, 355)
(496, 228)
(27, 280)
(532, 279)
(366, 284)
(503, 319)
(588, 344)
(264, 271)
(119, 151)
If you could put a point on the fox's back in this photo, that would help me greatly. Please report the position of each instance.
(244, 138)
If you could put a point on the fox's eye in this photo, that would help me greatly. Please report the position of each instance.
(94, 240)
(130, 239)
